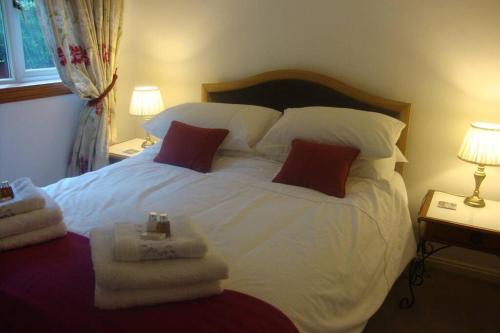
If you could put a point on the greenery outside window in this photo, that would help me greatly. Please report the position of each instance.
(24, 56)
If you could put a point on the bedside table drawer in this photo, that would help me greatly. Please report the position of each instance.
(114, 159)
(472, 239)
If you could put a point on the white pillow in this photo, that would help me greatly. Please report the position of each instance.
(376, 168)
(374, 134)
(400, 157)
(246, 123)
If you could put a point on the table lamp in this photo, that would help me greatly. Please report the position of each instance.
(146, 102)
(481, 146)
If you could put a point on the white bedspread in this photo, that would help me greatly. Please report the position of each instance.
(327, 263)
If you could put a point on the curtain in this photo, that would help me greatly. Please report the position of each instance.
(83, 37)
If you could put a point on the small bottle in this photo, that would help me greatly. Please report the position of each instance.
(163, 225)
(152, 222)
(6, 192)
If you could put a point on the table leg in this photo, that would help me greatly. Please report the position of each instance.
(417, 271)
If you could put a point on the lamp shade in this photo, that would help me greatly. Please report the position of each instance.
(481, 144)
(146, 101)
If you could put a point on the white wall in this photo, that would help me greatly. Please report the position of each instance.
(442, 56)
(36, 138)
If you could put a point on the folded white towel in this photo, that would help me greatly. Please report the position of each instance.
(37, 219)
(114, 275)
(33, 237)
(185, 242)
(118, 299)
(27, 197)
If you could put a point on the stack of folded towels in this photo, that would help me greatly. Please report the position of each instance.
(131, 271)
(31, 217)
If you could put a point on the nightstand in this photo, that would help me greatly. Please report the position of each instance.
(473, 228)
(464, 226)
(126, 149)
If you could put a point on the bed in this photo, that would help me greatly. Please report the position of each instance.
(327, 263)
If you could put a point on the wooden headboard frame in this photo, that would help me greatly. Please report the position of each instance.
(281, 89)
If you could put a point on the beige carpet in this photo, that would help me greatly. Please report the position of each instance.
(446, 302)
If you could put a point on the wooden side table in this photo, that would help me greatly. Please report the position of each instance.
(126, 149)
(473, 228)
(464, 226)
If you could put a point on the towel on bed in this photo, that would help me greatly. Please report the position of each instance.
(34, 220)
(117, 299)
(27, 198)
(185, 242)
(33, 237)
(112, 275)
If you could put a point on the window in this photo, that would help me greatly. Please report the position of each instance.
(24, 57)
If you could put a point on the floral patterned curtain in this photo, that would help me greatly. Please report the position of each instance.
(83, 36)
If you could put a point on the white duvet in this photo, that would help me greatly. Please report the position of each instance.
(327, 263)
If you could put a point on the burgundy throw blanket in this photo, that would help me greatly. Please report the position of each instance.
(50, 288)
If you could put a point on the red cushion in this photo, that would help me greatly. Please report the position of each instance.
(317, 166)
(190, 147)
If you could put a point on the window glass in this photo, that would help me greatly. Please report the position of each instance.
(36, 54)
(4, 61)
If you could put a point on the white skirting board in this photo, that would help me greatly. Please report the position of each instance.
(456, 266)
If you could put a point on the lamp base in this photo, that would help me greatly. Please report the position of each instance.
(474, 201)
(148, 142)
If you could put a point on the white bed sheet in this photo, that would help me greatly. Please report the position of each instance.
(327, 263)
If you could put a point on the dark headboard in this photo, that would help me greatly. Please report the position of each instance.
(283, 89)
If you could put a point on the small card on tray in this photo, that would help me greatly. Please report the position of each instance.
(131, 151)
(447, 205)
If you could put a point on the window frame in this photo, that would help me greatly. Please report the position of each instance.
(17, 92)
(24, 83)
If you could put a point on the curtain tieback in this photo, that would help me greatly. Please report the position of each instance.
(98, 100)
